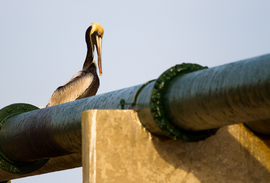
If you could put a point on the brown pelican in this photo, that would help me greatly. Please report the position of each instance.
(85, 83)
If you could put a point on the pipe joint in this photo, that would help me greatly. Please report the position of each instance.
(6, 163)
(157, 105)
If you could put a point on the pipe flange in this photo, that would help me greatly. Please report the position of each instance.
(157, 110)
(7, 164)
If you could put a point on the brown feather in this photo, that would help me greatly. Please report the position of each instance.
(83, 84)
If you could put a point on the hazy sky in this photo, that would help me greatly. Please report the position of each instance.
(42, 44)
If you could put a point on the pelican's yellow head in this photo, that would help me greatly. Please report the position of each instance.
(96, 27)
(96, 35)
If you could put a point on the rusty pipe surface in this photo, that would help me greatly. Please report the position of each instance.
(233, 93)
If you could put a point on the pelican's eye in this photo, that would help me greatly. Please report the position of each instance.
(99, 33)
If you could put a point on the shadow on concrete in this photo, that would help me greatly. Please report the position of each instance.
(234, 154)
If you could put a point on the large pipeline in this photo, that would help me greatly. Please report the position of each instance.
(187, 102)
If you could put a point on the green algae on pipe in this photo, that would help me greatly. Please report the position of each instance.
(151, 109)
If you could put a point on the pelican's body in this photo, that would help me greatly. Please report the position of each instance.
(86, 82)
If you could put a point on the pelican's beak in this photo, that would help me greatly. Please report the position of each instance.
(99, 53)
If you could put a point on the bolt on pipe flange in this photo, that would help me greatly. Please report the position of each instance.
(157, 110)
(7, 164)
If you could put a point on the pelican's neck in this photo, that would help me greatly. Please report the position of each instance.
(90, 51)
(88, 60)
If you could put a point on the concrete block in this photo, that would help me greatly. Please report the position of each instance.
(116, 148)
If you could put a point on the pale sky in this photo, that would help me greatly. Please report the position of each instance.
(42, 44)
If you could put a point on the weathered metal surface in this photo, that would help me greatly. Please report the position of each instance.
(157, 105)
(6, 163)
(260, 127)
(238, 92)
(53, 131)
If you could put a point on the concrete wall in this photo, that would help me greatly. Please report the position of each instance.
(116, 148)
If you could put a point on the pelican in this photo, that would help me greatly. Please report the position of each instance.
(85, 83)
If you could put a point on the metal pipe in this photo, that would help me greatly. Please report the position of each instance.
(238, 92)
(178, 102)
(260, 127)
(54, 164)
(53, 131)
